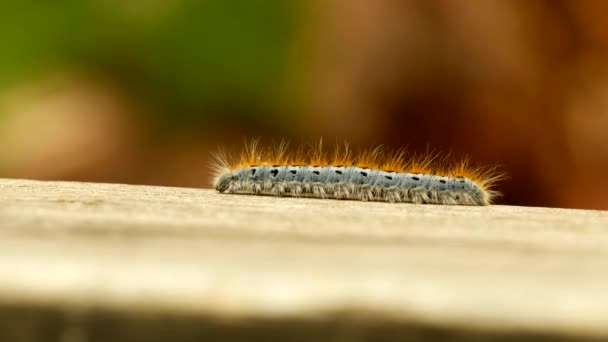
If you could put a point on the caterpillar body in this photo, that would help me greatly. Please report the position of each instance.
(374, 175)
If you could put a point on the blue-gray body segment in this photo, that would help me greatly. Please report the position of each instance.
(352, 174)
(351, 182)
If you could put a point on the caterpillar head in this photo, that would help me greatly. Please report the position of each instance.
(222, 182)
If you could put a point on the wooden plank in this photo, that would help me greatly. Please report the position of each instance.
(213, 265)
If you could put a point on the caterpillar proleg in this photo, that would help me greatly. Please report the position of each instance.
(372, 175)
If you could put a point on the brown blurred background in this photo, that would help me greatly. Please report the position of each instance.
(142, 91)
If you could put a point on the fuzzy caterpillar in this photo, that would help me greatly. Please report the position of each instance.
(373, 175)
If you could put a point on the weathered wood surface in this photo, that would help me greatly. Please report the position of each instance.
(88, 262)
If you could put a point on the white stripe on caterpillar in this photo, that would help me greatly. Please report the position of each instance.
(355, 182)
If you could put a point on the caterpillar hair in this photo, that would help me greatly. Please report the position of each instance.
(372, 175)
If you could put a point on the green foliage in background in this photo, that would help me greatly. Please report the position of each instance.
(189, 57)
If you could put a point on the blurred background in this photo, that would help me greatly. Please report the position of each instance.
(142, 91)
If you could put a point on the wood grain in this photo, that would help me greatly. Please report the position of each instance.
(95, 262)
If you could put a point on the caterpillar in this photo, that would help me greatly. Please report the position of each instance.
(372, 175)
